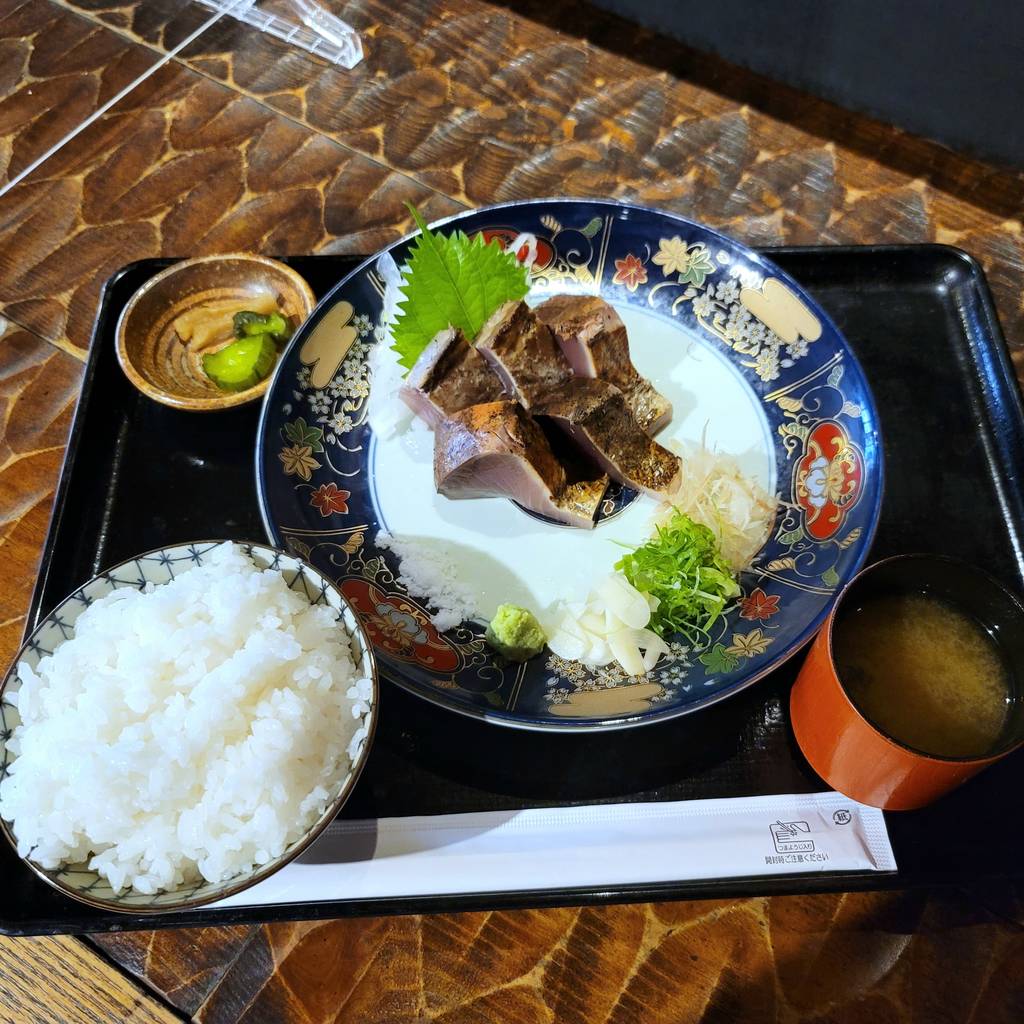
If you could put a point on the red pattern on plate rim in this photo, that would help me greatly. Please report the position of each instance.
(506, 236)
(630, 271)
(396, 625)
(829, 479)
(327, 498)
(758, 606)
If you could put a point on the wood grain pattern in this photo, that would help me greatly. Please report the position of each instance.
(161, 24)
(486, 105)
(184, 966)
(38, 388)
(880, 956)
(59, 981)
(184, 166)
(249, 144)
(994, 188)
(56, 69)
(471, 45)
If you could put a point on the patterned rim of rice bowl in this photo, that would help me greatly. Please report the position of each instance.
(158, 566)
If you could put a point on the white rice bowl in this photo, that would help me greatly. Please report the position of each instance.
(192, 731)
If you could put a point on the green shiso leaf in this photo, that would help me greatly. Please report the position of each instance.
(452, 281)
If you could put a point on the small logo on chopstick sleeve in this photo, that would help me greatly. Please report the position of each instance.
(788, 836)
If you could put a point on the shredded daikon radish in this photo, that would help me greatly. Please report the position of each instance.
(608, 627)
(715, 492)
(387, 415)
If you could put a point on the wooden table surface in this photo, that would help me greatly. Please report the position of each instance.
(127, 131)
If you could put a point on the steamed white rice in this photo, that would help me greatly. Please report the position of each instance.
(195, 730)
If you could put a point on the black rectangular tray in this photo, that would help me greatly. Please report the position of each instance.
(138, 476)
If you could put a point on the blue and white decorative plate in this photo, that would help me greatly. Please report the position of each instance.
(748, 360)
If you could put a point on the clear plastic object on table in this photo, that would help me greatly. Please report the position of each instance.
(303, 23)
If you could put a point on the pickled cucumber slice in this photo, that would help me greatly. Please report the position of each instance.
(249, 322)
(241, 364)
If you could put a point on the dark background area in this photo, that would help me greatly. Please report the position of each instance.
(949, 70)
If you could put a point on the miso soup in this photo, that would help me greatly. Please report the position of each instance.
(925, 673)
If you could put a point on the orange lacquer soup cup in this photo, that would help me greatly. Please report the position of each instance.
(855, 756)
